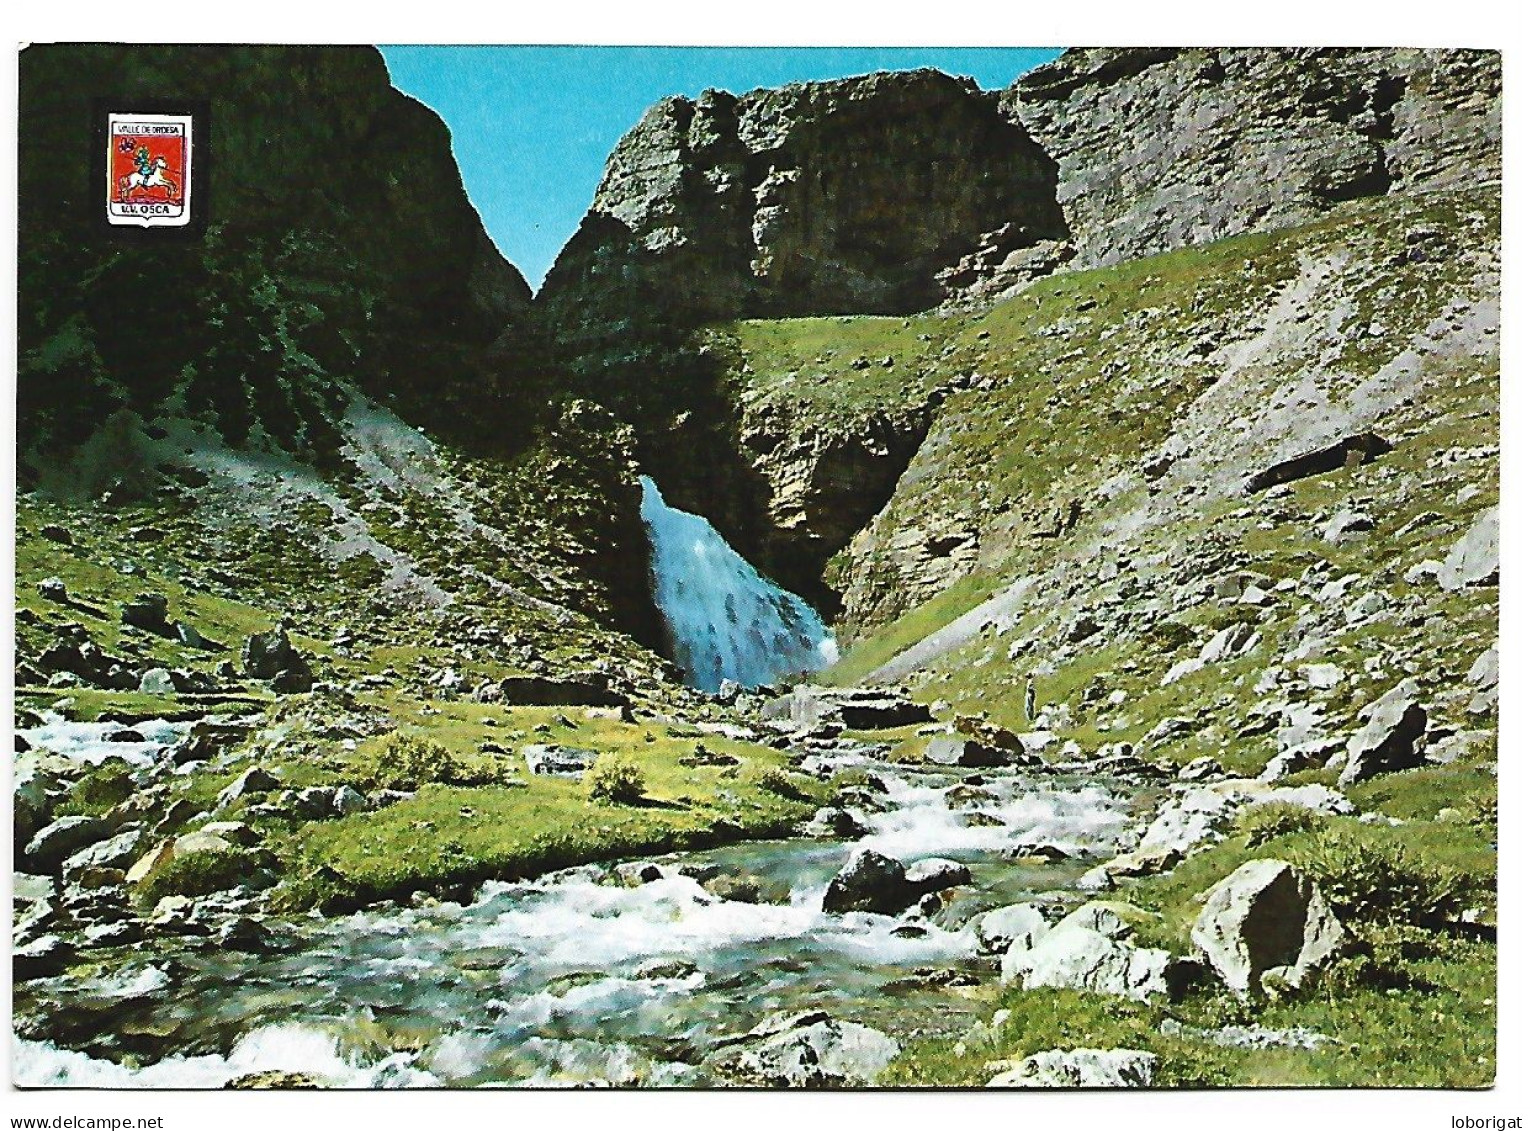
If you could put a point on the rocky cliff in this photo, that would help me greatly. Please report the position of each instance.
(903, 193)
(835, 196)
(340, 246)
(341, 362)
(1163, 148)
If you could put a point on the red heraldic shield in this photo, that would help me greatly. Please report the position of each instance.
(149, 169)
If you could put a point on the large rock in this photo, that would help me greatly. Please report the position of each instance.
(55, 843)
(870, 881)
(558, 761)
(1074, 957)
(271, 656)
(1081, 1068)
(546, 691)
(115, 852)
(1264, 916)
(1474, 559)
(808, 1050)
(150, 862)
(808, 706)
(252, 782)
(1021, 923)
(1203, 816)
(936, 874)
(960, 750)
(148, 612)
(1389, 738)
(39, 785)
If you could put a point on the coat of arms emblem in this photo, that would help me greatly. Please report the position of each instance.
(149, 169)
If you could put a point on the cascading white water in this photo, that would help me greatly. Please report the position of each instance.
(725, 620)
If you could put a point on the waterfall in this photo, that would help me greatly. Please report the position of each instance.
(725, 620)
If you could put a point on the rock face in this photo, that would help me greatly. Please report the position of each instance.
(1266, 916)
(846, 196)
(361, 270)
(1159, 148)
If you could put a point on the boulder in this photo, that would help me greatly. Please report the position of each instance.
(1227, 643)
(250, 783)
(148, 612)
(958, 750)
(1485, 670)
(736, 889)
(244, 933)
(39, 787)
(836, 821)
(1484, 678)
(1363, 447)
(157, 681)
(207, 739)
(558, 761)
(808, 1050)
(1015, 924)
(235, 832)
(43, 957)
(542, 691)
(1344, 524)
(55, 843)
(347, 801)
(1200, 769)
(869, 881)
(1081, 1068)
(115, 852)
(201, 840)
(1474, 559)
(53, 589)
(1105, 917)
(1389, 738)
(1074, 957)
(271, 656)
(1266, 915)
(936, 874)
(151, 861)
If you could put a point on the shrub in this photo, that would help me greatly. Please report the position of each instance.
(1482, 810)
(779, 781)
(1261, 824)
(1369, 877)
(616, 780)
(200, 873)
(408, 761)
(106, 785)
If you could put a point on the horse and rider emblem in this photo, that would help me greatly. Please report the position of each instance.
(149, 169)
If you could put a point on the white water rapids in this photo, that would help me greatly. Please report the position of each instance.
(576, 976)
(725, 620)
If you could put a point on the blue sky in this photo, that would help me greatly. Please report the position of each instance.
(531, 126)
